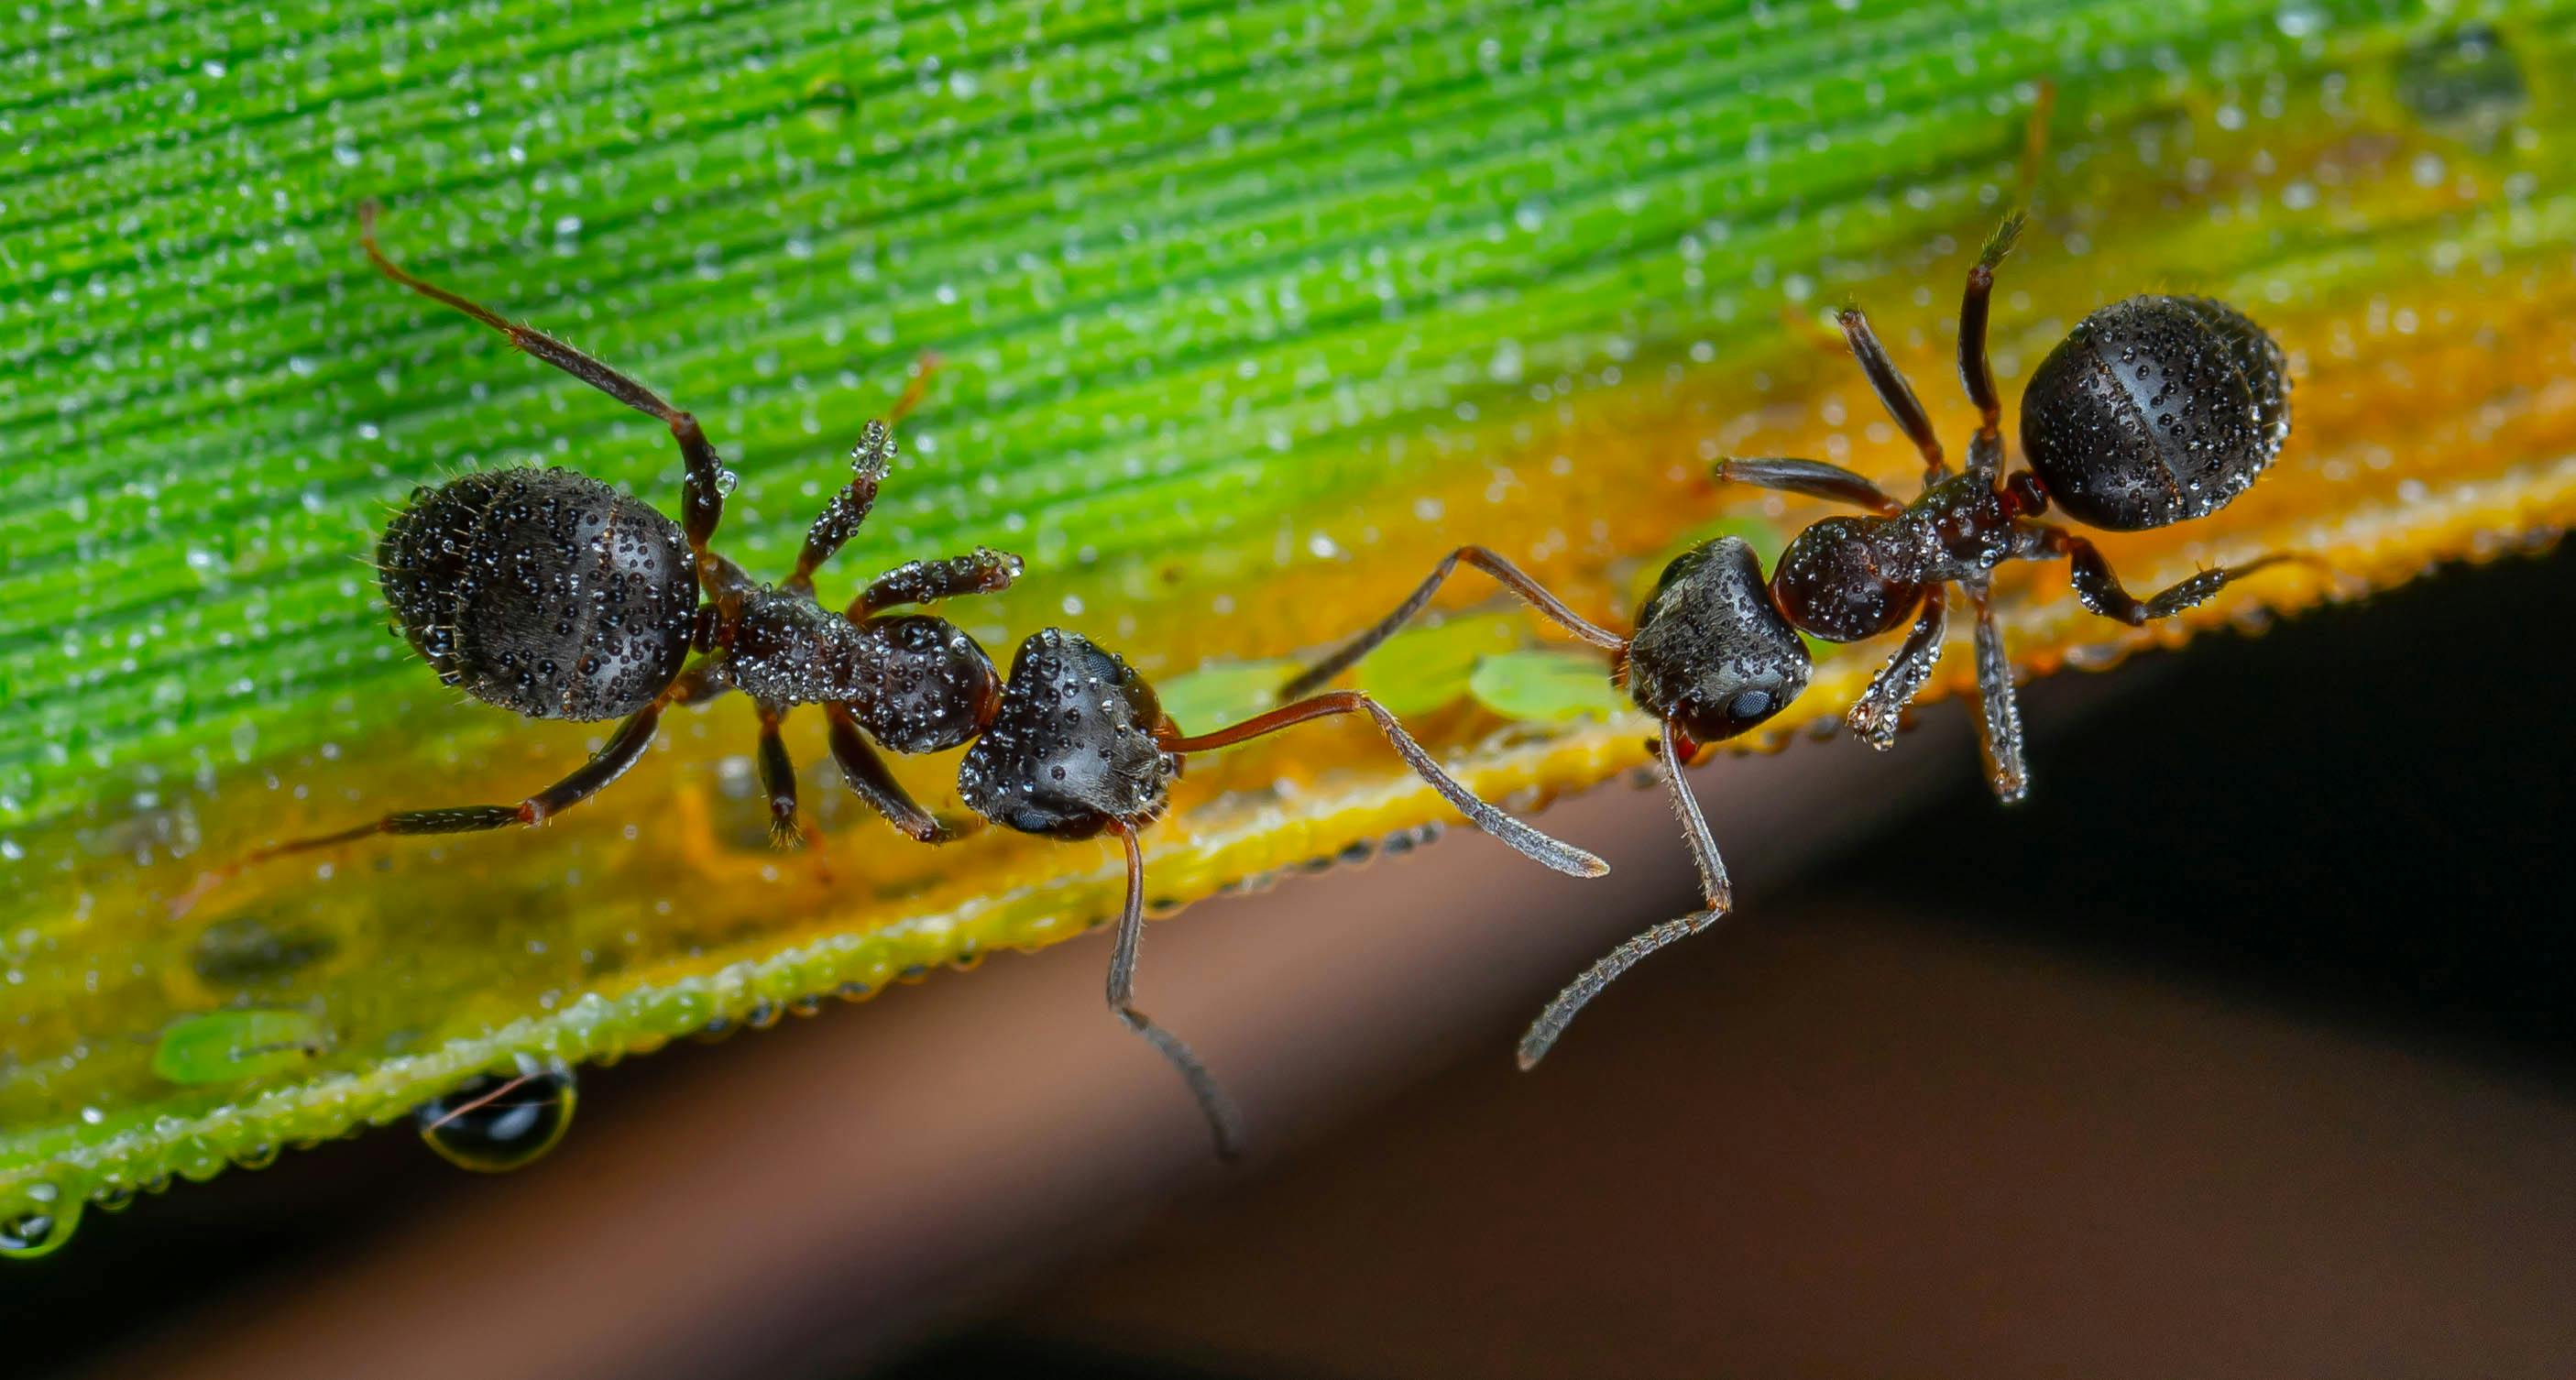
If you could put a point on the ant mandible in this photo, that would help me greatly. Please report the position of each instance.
(2153, 410)
(552, 595)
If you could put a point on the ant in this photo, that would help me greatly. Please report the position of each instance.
(2154, 410)
(552, 595)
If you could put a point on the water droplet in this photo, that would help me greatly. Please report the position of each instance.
(38, 1233)
(492, 1123)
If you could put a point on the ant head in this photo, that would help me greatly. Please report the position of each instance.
(1073, 749)
(1711, 654)
(936, 688)
(1827, 583)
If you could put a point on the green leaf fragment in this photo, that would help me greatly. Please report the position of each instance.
(1546, 687)
(1423, 669)
(1213, 697)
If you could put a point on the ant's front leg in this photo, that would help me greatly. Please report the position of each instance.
(1873, 716)
(870, 781)
(981, 571)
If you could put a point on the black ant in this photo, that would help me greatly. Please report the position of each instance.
(2153, 410)
(550, 594)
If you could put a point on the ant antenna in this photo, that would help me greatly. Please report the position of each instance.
(1720, 894)
(1224, 1122)
(1529, 842)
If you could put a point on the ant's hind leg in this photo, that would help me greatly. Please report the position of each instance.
(1224, 1123)
(621, 751)
(1998, 705)
(703, 485)
(1512, 578)
(1672, 756)
(1814, 478)
(2101, 592)
(1874, 715)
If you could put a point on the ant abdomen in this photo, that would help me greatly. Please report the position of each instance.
(1711, 654)
(542, 591)
(2155, 410)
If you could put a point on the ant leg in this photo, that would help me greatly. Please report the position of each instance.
(849, 505)
(981, 571)
(778, 778)
(1224, 1122)
(869, 461)
(702, 488)
(1814, 478)
(1529, 842)
(1673, 754)
(1986, 449)
(621, 751)
(1998, 704)
(870, 781)
(1894, 391)
(1512, 578)
(2100, 590)
(1873, 716)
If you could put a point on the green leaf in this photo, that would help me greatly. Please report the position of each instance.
(1247, 315)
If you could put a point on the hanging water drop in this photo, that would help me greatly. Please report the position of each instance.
(38, 1232)
(492, 1123)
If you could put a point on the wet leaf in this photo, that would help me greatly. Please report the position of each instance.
(1245, 320)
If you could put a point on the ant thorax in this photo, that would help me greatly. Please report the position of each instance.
(1959, 529)
(916, 683)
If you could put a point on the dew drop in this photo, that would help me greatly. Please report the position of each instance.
(39, 1232)
(492, 1123)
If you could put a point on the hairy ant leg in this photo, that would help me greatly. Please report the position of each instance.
(1873, 717)
(1998, 703)
(871, 782)
(1813, 478)
(703, 484)
(2101, 592)
(981, 571)
(622, 750)
(1886, 380)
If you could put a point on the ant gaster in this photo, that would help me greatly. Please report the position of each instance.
(2153, 410)
(551, 595)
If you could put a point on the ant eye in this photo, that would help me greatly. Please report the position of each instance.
(1752, 704)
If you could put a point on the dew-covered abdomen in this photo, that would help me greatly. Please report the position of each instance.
(542, 591)
(2155, 410)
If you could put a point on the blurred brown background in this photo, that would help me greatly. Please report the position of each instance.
(2244, 1048)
